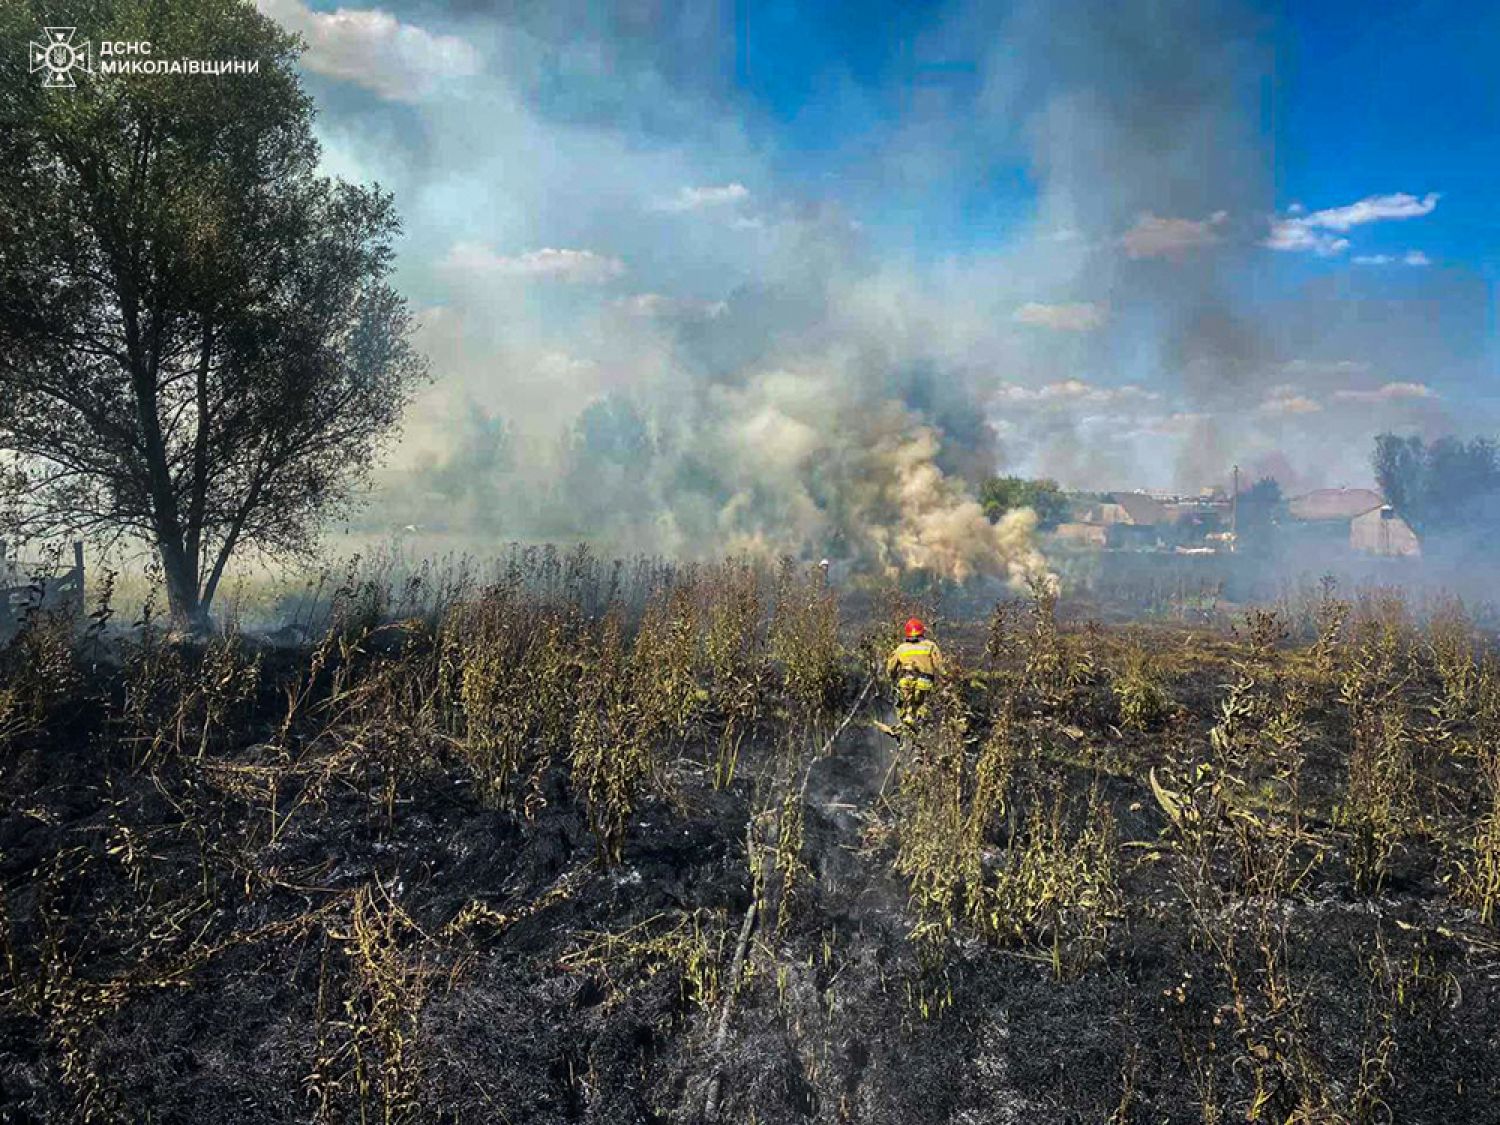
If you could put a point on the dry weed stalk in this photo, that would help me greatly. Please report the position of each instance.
(689, 944)
(1138, 689)
(777, 869)
(177, 702)
(665, 663)
(516, 676)
(38, 674)
(939, 859)
(1330, 617)
(1056, 670)
(612, 749)
(1378, 803)
(370, 1050)
(1476, 876)
(1451, 647)
(804, 644)
(1058, 888)
(1052, 888)
(735, 652)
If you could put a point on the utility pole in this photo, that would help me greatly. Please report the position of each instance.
(1234, 512)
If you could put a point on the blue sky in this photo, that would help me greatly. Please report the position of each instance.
(1125, 244)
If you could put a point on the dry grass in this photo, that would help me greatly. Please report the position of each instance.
(1261, 761)
(691, 946)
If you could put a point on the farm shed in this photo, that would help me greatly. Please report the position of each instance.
(1382, 532)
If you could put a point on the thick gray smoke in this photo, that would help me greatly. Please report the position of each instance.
(804, 417)
(647, 339)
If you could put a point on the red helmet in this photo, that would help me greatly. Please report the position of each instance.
(914, 628)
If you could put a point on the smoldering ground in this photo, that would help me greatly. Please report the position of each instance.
(1157, 876)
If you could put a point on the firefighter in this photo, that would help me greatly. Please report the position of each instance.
(913, 667)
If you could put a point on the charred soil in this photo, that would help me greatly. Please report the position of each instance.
(662, 866)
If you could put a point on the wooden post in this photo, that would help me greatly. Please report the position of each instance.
(5, 615)
(1234, 513)
(82, 601)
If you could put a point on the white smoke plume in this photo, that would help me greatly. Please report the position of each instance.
(820, 445)
(938, 527)
(656, 340)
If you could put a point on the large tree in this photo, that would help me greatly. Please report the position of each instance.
(198, 344)
(1000, 494)
(1258, 510)
(1448, 490)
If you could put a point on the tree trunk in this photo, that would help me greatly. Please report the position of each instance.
(187, 609)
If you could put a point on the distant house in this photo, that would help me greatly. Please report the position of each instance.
(1340, 504)
(1132, 519)
(1198, 520)
(1138, 509)
(1382, 532)
(1083, 534)
(1354, 519)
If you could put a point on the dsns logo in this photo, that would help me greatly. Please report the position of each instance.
(59, 57)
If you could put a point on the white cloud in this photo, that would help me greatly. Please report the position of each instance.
(1299, 235)
(564, 265)
(1306, 231)
(1410, 258)
(1284, 402)
(1373, 209)
(371, 48)
(1391, 392)
(1318, 369)
(699, 198)
(1074, 391)
(1079, 317)
(650, 305)
(1178, 423)
(1155, 237)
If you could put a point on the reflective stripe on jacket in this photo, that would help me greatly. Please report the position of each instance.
(915, 658)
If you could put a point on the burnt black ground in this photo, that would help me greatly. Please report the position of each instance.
(117, 877)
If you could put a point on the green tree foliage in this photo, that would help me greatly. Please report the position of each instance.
(198, 346)
(1259, 509)
(1000, 494)
(1442, 489)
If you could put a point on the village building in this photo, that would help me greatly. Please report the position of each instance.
(1124, 519)
(1382, 532)
(1355, 519)
(1324, 505)
(1333, 521)
(1146, 521)
(1082, 534)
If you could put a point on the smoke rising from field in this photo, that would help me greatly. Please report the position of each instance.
(818, 436)
(655, 338)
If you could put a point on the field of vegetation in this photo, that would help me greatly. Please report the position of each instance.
(623, 843)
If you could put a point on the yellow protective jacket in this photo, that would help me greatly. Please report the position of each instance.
(920, 659)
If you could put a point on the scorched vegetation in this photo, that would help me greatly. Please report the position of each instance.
(622, 842)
